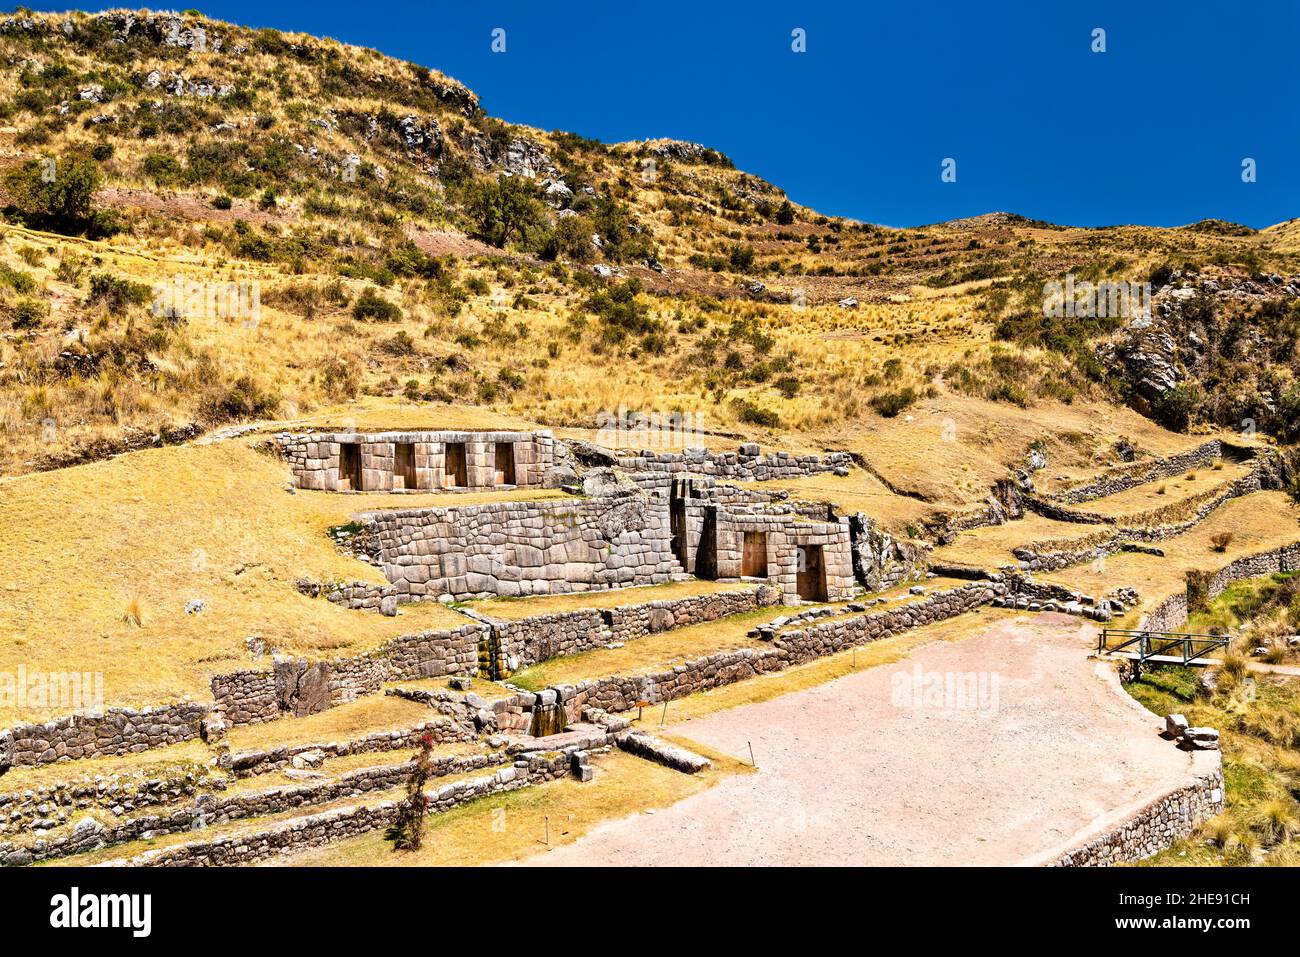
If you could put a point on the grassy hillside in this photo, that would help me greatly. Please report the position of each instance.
(409, 247)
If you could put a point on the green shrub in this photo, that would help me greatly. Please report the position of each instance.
(371, 305)
(755, 414)
(503, 209)
(115, 293)
(17, 280)
(60, 197)
(29, 314)
(890, 404)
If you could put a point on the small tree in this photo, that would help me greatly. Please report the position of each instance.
(1198, 590)
(785, 214)
(504, 208)
(1221, 540)
(59, 195)
(407, 831)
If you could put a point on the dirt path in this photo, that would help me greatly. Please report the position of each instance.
(1052, 747)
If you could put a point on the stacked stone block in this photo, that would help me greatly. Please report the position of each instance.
(525, 548)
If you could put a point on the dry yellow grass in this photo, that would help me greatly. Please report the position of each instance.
(167, 525)
(1258, 522)
(344, 722)
(1144, 498)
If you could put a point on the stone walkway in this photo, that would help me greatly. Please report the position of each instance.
(863, 771)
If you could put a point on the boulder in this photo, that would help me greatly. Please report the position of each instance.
(1175, 726)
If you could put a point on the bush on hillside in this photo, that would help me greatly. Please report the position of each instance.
(59, 196)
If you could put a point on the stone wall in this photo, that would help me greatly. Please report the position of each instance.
(1171, 613)
(339, 823)
(621, 693)
(114, 731)
(46, 806)
(298, 687)
(526, 548)
(1169, 818)
(747, 464)
(1061, 553)
(314, 459)
(1122, 478)
(527, 641)
(440, 730)
(212, 809)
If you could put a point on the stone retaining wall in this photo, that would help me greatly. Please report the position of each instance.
(1157, 826)
(1061, 553)
(46, 806)
(621, 693)
(1172, 613)
(526, 641)
(209, 810)
(114, 731)
(339, 823)
(1122, 478)
(442, 730)
(747, 464)
(526, 548)
(294, 686)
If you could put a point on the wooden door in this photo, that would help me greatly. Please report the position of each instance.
(753, 557)
(810, 579)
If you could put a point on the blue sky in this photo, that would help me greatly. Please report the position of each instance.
(1154, 130)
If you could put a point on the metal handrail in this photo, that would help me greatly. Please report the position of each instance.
(1185, 642)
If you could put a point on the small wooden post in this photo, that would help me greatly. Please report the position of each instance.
(752, 762)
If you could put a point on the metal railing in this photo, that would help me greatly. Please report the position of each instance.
(1184, 645)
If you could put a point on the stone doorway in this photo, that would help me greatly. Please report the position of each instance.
(349, 467)
(504, 464)
(403, 465)
(456, 474)
(810, 579)
(753, 556)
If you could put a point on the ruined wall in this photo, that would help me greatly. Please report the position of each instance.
(295, 686)
(540, 637)
(526, 548)
(621, 693)
(339, 823)
(314, 458)
(1061, 553)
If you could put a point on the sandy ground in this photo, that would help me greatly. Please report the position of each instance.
(855, 772)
